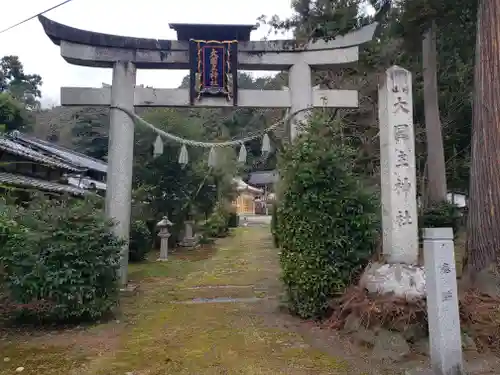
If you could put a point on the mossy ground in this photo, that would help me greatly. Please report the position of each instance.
(153, 335)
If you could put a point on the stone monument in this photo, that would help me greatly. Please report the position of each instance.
(400, 273)
(398, 170)
(213, 54)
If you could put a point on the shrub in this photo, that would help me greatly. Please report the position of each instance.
(7, 223)
(7, 227)
(61, 261)
(442, 215)
(217, 223)
(141, 241)
(328, 222)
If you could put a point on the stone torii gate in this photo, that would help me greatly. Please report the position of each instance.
(126, 54)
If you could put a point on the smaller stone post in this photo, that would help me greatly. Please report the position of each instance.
(445, 340)
(164, 234)
(189, 239)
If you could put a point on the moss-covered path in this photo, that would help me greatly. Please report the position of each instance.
(172, 326)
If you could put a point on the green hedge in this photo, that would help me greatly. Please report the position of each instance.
(327, 222)
(60, 260)
(442, 215)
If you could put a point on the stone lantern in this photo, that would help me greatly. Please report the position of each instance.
(164, 235)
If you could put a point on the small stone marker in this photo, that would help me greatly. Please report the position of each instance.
(442, 302)
(398, 170)
(189, 239)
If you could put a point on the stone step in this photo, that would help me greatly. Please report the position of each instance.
(195, 301)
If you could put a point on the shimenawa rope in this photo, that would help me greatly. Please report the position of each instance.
(286, 120)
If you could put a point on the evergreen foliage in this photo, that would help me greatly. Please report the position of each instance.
(328, 221)
(60, 260)
(141, 241)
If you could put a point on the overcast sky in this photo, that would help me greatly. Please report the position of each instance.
(144, 18)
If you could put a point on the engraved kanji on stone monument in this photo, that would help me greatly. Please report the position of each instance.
(401, 133)
(403, 186)
(447, 296)
(401, 105)
(401, 158)
(397, 160)
(403, 218)
(445, 268)
(399, 80)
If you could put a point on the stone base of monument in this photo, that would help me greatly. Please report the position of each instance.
(385, 324)
(386, 311)
(401, 280)
(190, 242)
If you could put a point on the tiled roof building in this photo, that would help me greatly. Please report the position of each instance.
(28, 162)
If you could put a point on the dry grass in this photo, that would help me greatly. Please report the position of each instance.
(480, 316)
(385, 311)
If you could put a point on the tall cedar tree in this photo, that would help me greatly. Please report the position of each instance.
(483, 231)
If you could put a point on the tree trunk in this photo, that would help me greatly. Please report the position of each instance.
(483, 224)
(436, 170)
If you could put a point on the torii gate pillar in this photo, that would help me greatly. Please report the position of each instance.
(299, 78)
(120, 157)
